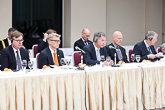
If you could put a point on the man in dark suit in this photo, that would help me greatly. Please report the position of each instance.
(84, 40)
(51, 55)
(115, 48)
(146, 48)
(6, 42)
(12, 56)
(43, 43)
(94, 51)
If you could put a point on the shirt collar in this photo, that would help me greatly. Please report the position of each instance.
(114, 45)
(146, 43)
(51, 50)
(9, 41)
(83, 39)
(96, 47)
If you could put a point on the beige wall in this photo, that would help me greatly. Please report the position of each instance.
(127, 16)
(6, 17)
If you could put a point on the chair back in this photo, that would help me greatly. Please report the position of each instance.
(37, 58)
(130, 52)
(77, 58)
(159, 49)
(35, 50)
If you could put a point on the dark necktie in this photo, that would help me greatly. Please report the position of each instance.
(85, 42)
(18, 61)
(118, 53)
(150, 50)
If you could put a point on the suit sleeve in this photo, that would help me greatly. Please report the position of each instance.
(137, 51)
(4, 59)
(88, 57)
(42, 60)
(42, 45)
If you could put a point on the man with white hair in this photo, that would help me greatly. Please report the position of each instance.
(146, 48)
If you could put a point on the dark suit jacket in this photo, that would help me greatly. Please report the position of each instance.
(112, 51)
(141, 49)
(79, 43)
(42, 45)
(8, 59)
(45, 57)
(6, 43)
(90, 57)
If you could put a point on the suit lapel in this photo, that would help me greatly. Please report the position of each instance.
(93, 51)
(12, 54)
(82, 42)
(145, 48)
(50, 58)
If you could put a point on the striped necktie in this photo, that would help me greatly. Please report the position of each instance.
(118, 53)
(18, 61)
(150, 50)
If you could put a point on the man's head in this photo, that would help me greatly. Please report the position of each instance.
(117, 38)
(10, 31)
(86, 33)
(16, 39)
(99, 39)
(54, 40)
(151, 37)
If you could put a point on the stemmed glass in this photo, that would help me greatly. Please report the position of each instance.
(138, 58)
(24, 64)
(68, 61)
(133, 57)
(63, 61)
(102, 59)
(30, 64)
(108, 59)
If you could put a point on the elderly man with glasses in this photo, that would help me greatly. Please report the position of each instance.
(14, 54)
(51, 55)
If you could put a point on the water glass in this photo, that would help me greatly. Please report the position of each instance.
(138, 57)
(133, 57)
(63, 61)
(30, 64)
(108, 59)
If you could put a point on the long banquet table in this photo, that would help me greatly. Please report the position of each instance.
(96, 88)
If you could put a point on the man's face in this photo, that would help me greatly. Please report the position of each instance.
(117, 40)
(17, 42)
(86, 35)
(101, 42)
(54, 42)
(154, 40)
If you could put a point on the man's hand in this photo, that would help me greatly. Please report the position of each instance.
(151, 56)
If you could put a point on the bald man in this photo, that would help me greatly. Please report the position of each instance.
(84, 40)
(116, 48)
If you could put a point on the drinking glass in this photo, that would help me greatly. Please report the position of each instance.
(68, 61)
(30, 64)
(108, 59)
(133, 57)
(24, 63)
(138, 58)
(63, 61)
(102, 58)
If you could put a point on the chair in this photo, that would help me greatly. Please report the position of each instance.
(77, 58)
(159, 49)
(130, 52)
(35, 50)
(37, 58)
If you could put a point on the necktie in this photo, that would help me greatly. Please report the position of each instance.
(55, 59)
(150, 50)
(98, 55)
(85, 42)
(118, 53)
(18, 61)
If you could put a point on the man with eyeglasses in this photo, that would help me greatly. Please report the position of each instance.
(12, 56)
(84, 40)
(51, 55)
(116, 48)
(95, 51)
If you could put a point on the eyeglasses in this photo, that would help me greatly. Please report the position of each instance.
(19, 40)
(57, 41)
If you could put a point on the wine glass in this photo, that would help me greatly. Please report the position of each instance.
(68, 61)
(138, 58)
(102, 58)
(108, 59)
(30, 64)
(133, 57)
(24, 63)
(63, 61)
